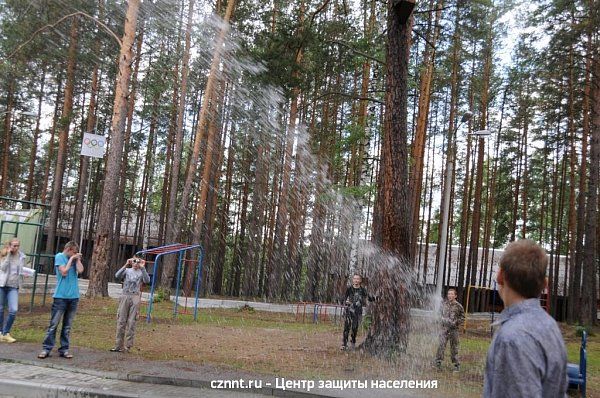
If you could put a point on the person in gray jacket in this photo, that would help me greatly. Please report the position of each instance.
(12, 261)
(134, 273)
(527, 356)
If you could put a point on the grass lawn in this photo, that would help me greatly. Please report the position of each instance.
(277, 344)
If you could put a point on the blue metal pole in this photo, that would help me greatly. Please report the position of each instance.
(177, 285)
(198, 281)
(152, 288)
(493, 306)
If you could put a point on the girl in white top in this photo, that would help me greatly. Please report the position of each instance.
(12, 261)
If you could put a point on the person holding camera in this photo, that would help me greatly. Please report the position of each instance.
(66, 298)
(12, 261)
(133, 273)
(355, 299)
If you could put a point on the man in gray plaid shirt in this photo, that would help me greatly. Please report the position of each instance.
(527, 357)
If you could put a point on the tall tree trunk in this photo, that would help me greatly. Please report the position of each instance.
(571, 229)
(85, 161)
(51, 142)
(431, 159)
(98, 285)
(491, 201)
(90, 126)
(590, 253)
(256, 222)
(390, 315)
(450, 140)
(418, 148)
(464, 222)
(554, 196)
(63, 137)
(241, 244)
(171, 227)
(575, 288)
(127, 152)
(476, 225)
(211, 206)
(7, 135)
(169, 268)
(224, 217)
(263, 283)
(212, 147)
(275, 264)
(148, 168)
(36, 137)
(525, 180)
(358, 151)
(213, 156)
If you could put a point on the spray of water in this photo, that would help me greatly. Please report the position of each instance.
(329, 219)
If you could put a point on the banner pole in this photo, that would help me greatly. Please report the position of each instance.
(85, 215)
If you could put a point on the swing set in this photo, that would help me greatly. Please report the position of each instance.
(185, 265)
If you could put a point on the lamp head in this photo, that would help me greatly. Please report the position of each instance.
(466, 116)
(481, 133)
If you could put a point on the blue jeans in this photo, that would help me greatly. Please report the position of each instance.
(65, 309)
(10, 296)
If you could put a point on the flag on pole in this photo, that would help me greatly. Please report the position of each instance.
(93, 145)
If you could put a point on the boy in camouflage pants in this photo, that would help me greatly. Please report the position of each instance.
(453, 315)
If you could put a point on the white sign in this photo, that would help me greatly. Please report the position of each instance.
(93, 145)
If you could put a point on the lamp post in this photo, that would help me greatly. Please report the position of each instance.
(446, 200)
(21, 113)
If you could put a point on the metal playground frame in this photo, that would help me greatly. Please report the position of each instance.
(181, 250)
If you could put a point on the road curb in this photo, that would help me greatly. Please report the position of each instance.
(136, 378)
(38, 390)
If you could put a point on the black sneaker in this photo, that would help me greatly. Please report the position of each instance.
(344, 348)
(456, 368)
(438, 365)
(116, 349)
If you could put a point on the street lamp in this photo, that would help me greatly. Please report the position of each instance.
(446, 199)
(23, 113)
(481, 133)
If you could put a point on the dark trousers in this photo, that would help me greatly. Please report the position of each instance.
(351, 322)
(452, 336)
(64, 309)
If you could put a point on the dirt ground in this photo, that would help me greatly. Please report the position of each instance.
(270, 344)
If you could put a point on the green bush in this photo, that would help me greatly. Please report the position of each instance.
(366, 323)
(580, 328)
(161, 294)
(246, 308)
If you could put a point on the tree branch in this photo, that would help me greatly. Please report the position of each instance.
(430, 44)
(341, 43)
(432, 10)
(45, 27)
(356, 97)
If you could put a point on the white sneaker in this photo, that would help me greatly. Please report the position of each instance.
(7, 338)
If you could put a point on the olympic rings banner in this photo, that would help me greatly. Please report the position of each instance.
(93, 145)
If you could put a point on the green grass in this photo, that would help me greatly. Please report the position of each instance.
(280, 344)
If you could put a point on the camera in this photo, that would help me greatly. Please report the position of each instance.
(136, 261)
